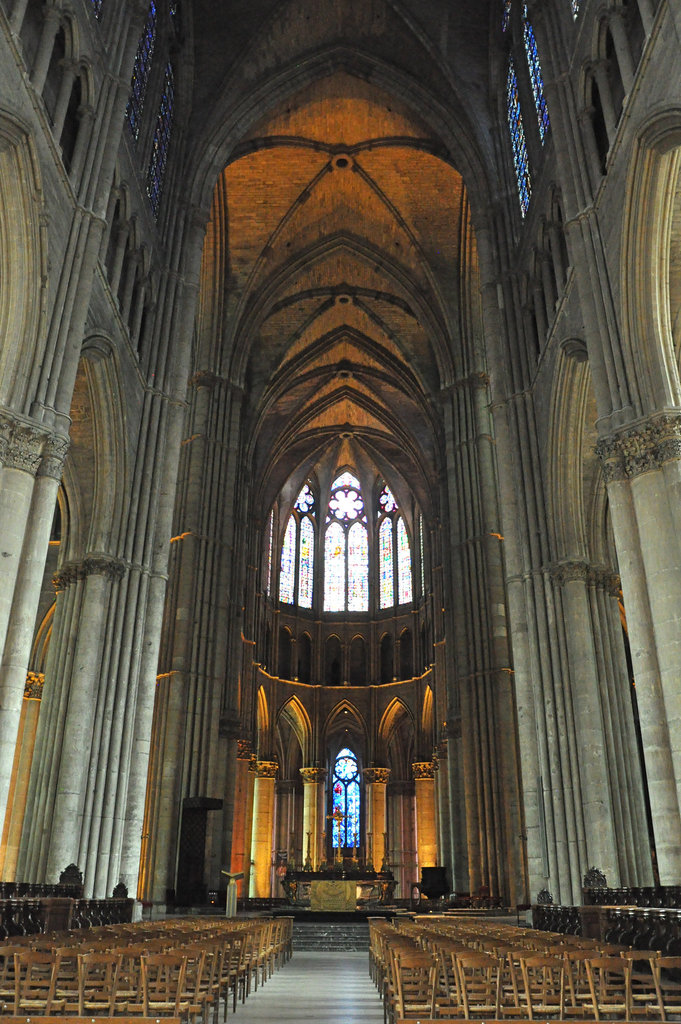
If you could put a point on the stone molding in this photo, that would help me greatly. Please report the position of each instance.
(266, 769)
(423, 770)
(33, 690)
(379, 775)
(94, 565)
(641, 449)
(24, 449)
(591, 575)
(54, 455)
(473, 382)
(313, 774)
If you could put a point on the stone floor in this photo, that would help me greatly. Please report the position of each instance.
(315, 988)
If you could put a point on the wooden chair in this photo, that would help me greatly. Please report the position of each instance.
(415, 982)
(163, 985)
(543, 986)
(479, 984)
(609, 980)
(98, 983)
(667, 979)
(644, 997)
(35, 982)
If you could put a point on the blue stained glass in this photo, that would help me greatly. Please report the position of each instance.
(306, 563)
(575, 8)
(288, 555)
(358, 568)
(385, 563)
(421, 553)
(387, 501)
(305, 500)
(97, 7)
(140, 72)
(334, 569)
(346, 800)
(518, 144)
(506, 16)
(534, 67)
(159, 152)
(403, 563)
(270, 543)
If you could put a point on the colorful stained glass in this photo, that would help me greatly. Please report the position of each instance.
(534, 67)
(404, 585)
(140, 72)
(346, 800)
(288, 563)
(306, 563)
(159, 151)
(518, 144)
(422, 558)
(268, 560)
(575, 8)
(387, 502)
(346, 479)
(346, 504)
(97, 7)
(334, 569)
(305, 500)
(358, 568)
(506, 15)
(385, 563)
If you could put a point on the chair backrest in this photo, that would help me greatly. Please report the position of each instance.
(35, 980)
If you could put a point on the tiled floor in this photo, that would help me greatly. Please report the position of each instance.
(315, 988)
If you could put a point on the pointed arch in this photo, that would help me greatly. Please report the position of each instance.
(295, 715)
(263, 721)
(345, 715)
(428, 713)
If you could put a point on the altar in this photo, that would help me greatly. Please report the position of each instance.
(332, 892)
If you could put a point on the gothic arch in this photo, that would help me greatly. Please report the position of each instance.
(650, 286)
(345, 717)
(23, 251)
(294, 715)
(391, 719)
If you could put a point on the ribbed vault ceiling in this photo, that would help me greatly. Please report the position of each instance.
(342, 233)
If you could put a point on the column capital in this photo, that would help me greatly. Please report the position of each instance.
(33, 690)
(639, 449)
(113, 569)
(54, 454)
(423, 770)
(377, 775)
(266, 769)
(313, 774)
(244, 749)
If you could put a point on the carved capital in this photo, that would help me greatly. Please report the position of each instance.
(101, 565)
(566, 572)
(316, 775)
(69, 573)
(24, 449)
(379, 775)
(423, 770)
(266, 769)
(642, 448)
(205, 379)
(33, 690)
(244, 750)
(54, 455)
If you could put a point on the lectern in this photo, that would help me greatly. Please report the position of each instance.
(230, 904)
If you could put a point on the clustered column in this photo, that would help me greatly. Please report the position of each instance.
(263, 828)
(376, 783)
(426, 815)
(313, 816)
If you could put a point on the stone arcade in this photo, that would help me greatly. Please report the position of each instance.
(340, 442)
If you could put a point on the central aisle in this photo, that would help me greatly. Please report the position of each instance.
(316, 988)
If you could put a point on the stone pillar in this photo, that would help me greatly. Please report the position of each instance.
(314, 819)
(426, 816)
(263, 829)
(375, 785)
(444, 842)
(18, 793)
(243, 815)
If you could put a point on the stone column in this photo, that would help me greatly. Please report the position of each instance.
(375, 785)
(314, 819)
(263, 828)
(426, 816)
(243, 815)
(444, 841)
(18, 793)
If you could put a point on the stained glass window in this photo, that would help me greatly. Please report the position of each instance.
(288, 563)
(386, 502)
(159, 151)
(358, 568)
(346, 800)
(305, 500)
(403, 564)
(97, 7)
(385, 563)
(506, 15)
(346, 548)
(140, 72)
(268, 562)
(518, 144)
(334, 568)
(306, 563)
(421, 554)
(534, 67)
(575, 8)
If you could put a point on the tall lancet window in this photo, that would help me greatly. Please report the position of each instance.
(159, 151)
(534, 68)
(521, 162)
(346, 800)
(346, 548)
(394, 553)
(296, 570)
(140, 72)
